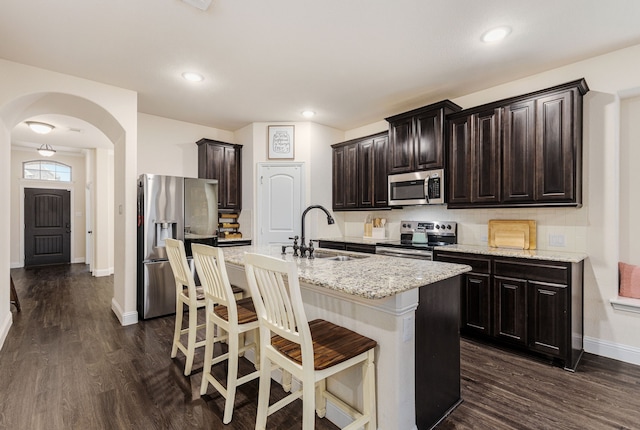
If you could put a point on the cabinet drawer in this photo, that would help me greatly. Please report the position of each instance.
(356, 247)
(330, 244)
(557, 273)
(478, 264)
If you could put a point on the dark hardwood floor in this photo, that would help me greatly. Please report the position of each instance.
(68, 364)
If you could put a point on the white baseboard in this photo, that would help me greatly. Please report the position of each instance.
(4, 329)
(125, 318)
(617, 351)
(78, 260)
(103, 272)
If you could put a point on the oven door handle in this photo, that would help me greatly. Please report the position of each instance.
(412, 253)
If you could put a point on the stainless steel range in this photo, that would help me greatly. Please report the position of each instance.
(417, 239)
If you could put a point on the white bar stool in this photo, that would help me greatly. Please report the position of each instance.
(310, 351)
(234, 317)
(191, 296)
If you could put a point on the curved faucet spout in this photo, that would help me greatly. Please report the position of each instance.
(330, 220)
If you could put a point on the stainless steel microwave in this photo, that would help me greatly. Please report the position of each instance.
(417, 188)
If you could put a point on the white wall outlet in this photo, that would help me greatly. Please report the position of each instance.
(484, 238)
(556, 240)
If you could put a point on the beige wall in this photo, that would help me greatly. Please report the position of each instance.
(76, 186)
(168, 147)
(629, 180)
(593, 229)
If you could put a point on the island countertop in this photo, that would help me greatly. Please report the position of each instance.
(371, 277)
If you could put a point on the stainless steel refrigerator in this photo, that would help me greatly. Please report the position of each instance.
(169, 207)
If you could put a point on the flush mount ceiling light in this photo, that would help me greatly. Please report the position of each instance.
(40, 127)
(308, 113)
(200, 4)
(193, 77)
(496, 34)
(46, 150)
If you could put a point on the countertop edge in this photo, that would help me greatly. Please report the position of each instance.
(559, 256)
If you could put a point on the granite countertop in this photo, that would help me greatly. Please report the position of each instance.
(536, 254)
(195, 236)
(372, 277)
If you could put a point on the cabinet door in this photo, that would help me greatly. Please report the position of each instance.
(232, 182)
(555, 148)
(214, 169)
(476, 303)
(428, 141)
(485, 156)
(351, 176)
(548, 318)
(380, 171)
(401, 146)
(519, 152)
(459, 176)
(510, 307)
(366, 178)
(338, 180)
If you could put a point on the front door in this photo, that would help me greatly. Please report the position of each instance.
(280, 198)
(47, 226)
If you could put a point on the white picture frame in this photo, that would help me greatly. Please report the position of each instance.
(281, 142)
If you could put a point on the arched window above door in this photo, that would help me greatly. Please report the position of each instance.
(46, 171)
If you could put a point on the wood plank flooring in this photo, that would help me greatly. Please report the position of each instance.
(68, 364)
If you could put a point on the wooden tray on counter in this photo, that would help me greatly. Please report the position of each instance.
(517, 234)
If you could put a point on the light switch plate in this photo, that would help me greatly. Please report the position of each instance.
(556, 240)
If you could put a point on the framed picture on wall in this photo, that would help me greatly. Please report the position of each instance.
(281, 142)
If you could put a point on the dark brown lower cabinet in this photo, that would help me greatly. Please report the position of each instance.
(510, 309)
(347, 246)
(534, 306)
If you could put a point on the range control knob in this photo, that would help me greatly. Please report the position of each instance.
(437, 226)
(448, 226)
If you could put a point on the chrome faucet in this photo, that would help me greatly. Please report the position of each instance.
(303, 247)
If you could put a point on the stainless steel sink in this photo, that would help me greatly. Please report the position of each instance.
(337, 257)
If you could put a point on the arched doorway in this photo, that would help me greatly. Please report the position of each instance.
(118, 124)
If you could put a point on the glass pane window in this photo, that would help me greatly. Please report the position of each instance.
(46, 171)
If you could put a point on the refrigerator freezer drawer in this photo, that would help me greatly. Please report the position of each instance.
(158, 290)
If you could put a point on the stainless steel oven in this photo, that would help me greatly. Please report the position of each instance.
(417, 239)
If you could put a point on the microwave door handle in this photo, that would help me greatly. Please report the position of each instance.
(426, 189)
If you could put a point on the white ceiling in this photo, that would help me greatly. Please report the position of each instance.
(354, 62)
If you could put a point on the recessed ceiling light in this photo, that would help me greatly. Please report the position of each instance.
(40, 127)
(200, 4)
(308, 113)
(193, 76)
(496, 34)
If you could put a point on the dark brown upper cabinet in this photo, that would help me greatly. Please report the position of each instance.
(416, 138)
(360, 173)
(522, 151)
(222, 161)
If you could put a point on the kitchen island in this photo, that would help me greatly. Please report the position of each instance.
(410, 307)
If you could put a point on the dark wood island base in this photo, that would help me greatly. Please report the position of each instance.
(437, 352)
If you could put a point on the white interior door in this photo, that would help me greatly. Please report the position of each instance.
(280, 200)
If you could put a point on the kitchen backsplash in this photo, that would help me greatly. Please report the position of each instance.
(559, 229)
